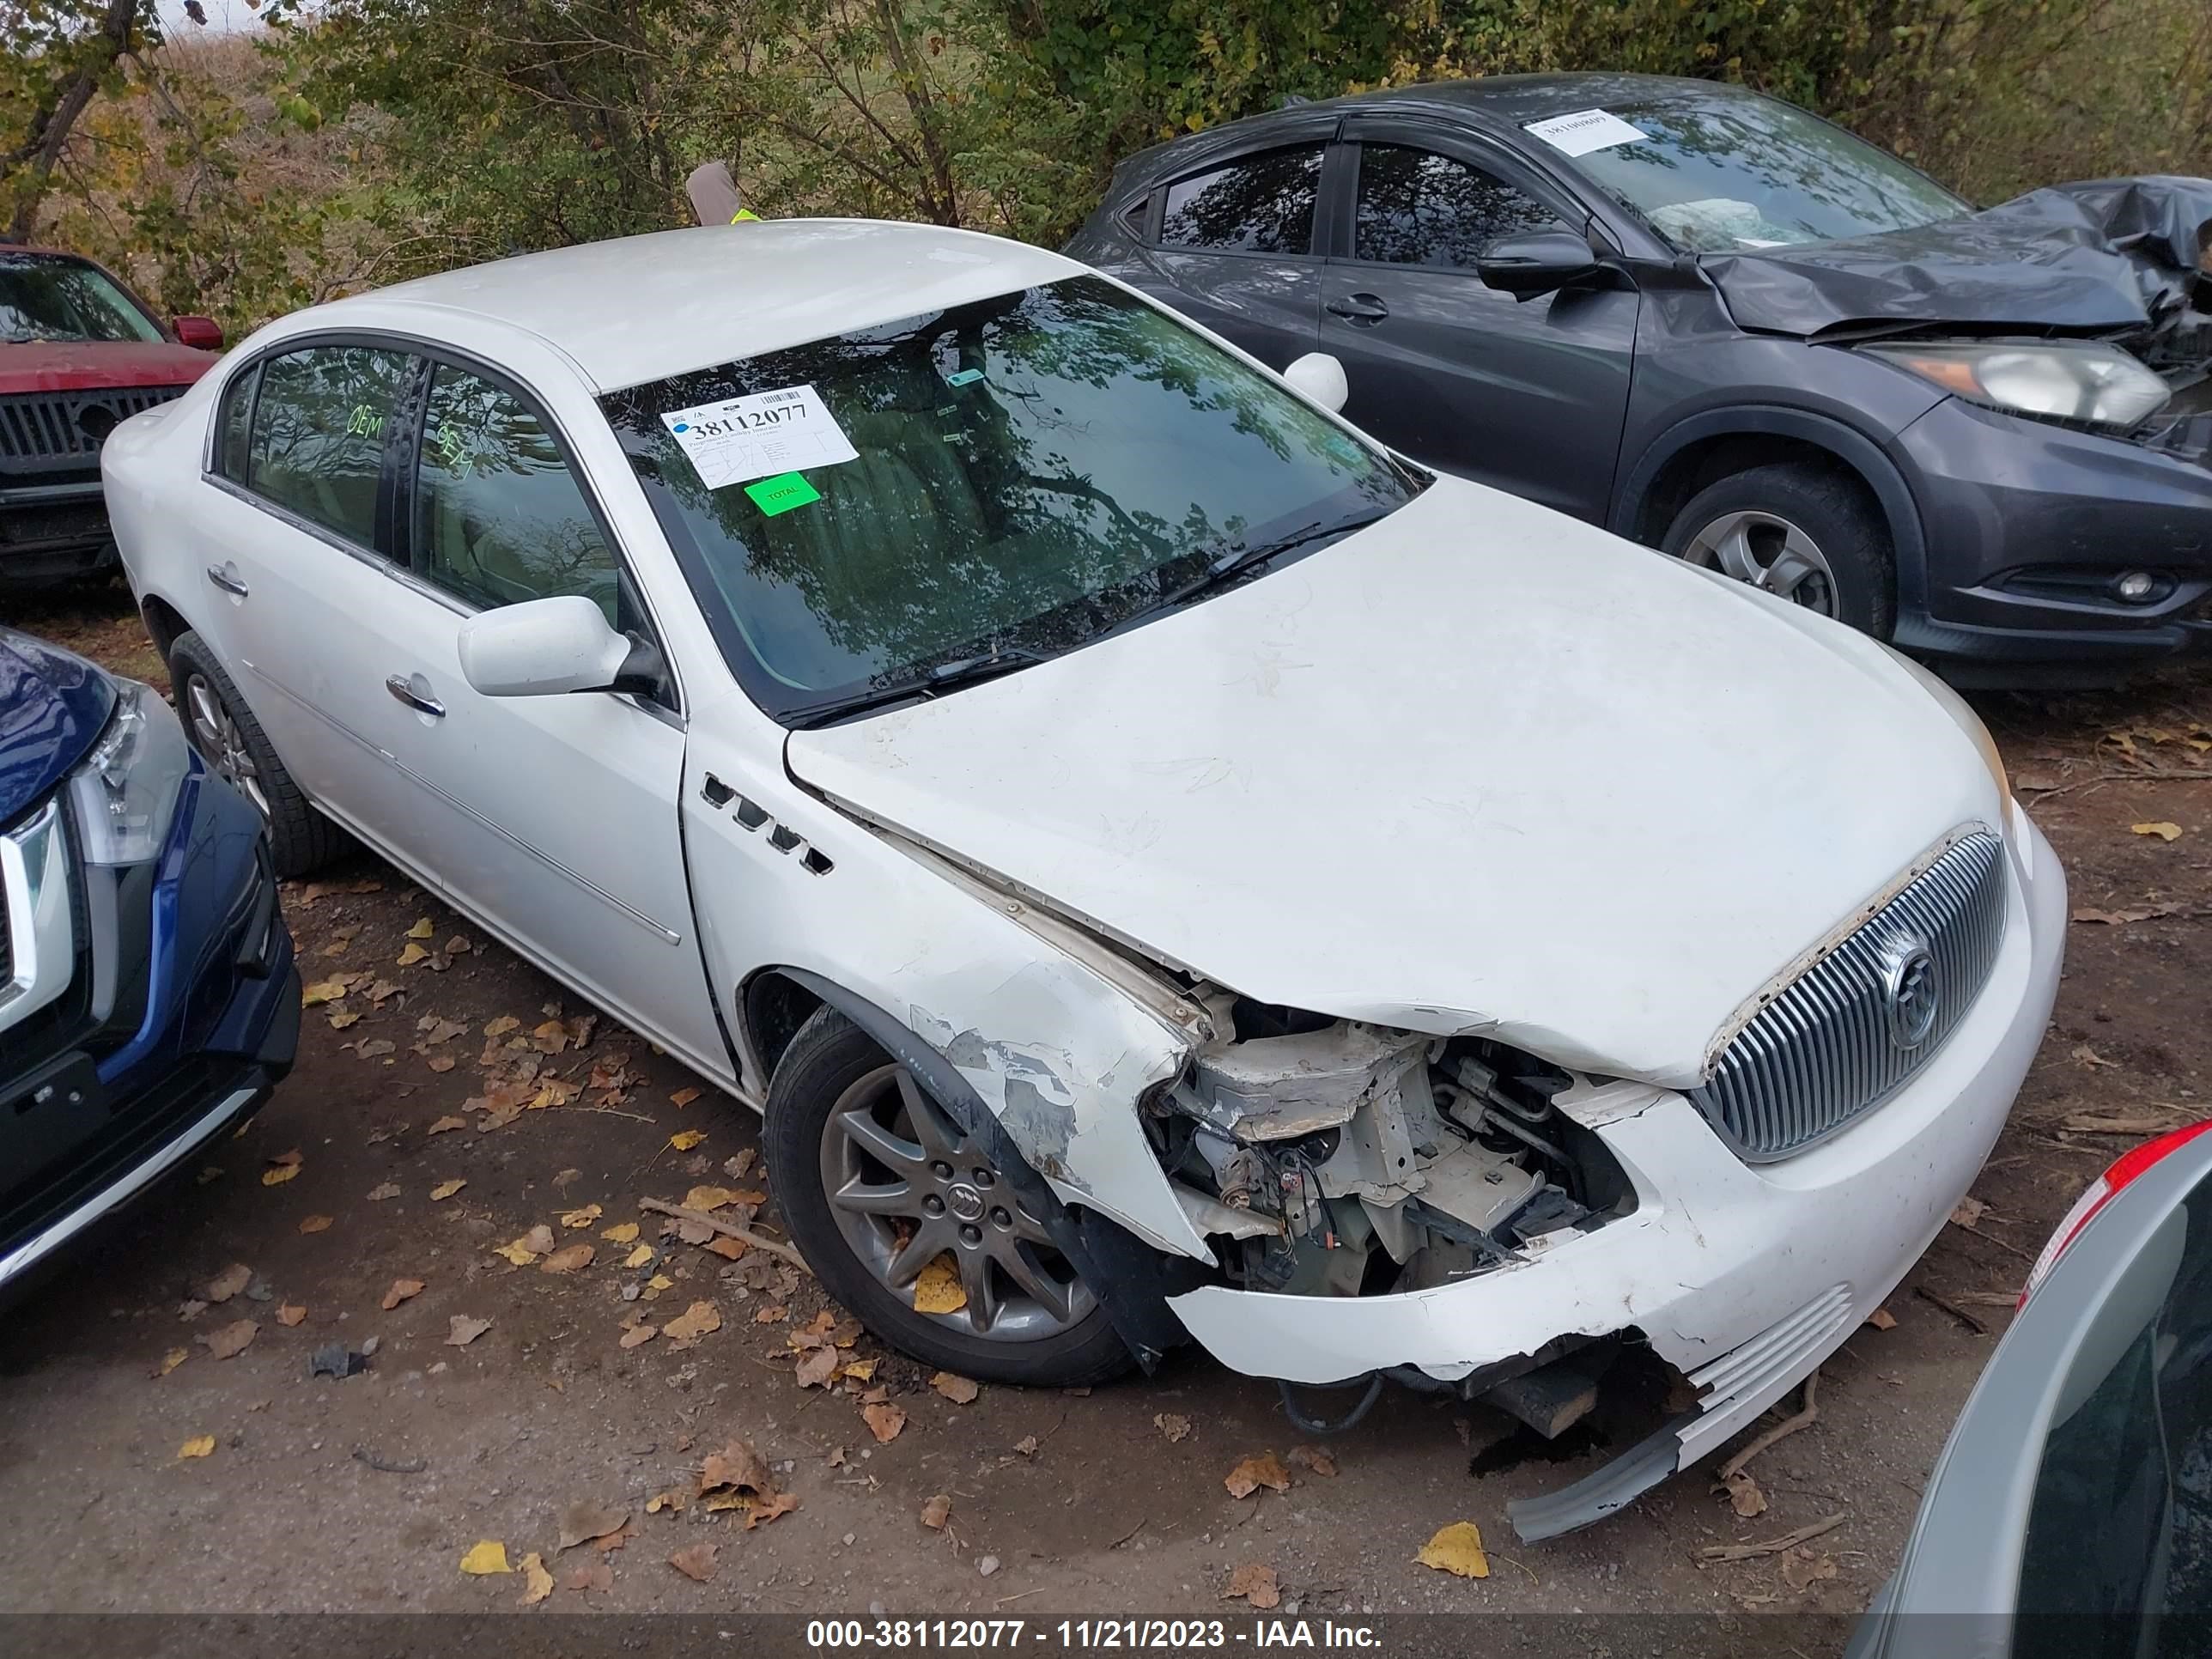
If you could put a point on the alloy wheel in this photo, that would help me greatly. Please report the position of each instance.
(907, 1185)
(1770, 553)
(216, 735)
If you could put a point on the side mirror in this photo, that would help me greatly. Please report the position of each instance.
(1536, 262)
(201, 333)
(542, 648)
(1321, 377)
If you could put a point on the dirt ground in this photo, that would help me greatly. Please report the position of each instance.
(364, 1494)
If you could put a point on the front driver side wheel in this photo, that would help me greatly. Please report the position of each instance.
(231, 741)
(1803, 533)
(912, 1225)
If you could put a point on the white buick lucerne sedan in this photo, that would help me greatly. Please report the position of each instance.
(1162, 863)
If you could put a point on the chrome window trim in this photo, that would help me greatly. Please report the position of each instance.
(34, 881)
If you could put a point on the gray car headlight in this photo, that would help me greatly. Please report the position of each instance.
(125, 791)
(2077, 381)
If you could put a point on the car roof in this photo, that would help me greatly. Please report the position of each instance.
(639, 309)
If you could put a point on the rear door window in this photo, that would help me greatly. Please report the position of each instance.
(234, 431)
(1417, 208)
(319, 426)
(1260, 204)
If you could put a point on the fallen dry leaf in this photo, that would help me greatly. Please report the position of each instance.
(1174, 1427)
(696, 1563)
(583, 1522)
(737, 1468)
(938, 1288)
(1027, 1445)
(816, 1367)
(322, 991)
(636, 1336)
(422, 929)
(2084, 1055)
(518, 1251)
(341, 1018)
(390, 1190)
(171, 1360)
(316, 1224)
(683, 1097)
(2165, 830)
(936, 1512)
(639, 1257)
(446, 1124)
(1744, 1495)
(289, 1314)
(590, 1575)
(500, 1027)
(413, 954)
(674, 1500)
(1882, 1320)
(1261, 1469)
(200, 1445)
(461, 1329)
(770, 1315)
(374, 1049)
(227, 1283)
(446, 1189)
(551, 1038)
(401, 1290)
(1456, 1549)
(277, 1174)
(686, 1139)
(443, 1063)
(621, 1233)
(231, 1341)
(708, 1199)
(583, 1218)
(885, 1421)
(1968, 1212)
(1805, 1566)
(538, 1239)
(538, 1582)
(486, 1557)
(760, 1514)
(1254, 1584)
(568, 1259)
(696, 1321)
(960, 1390)
(1315, 1460)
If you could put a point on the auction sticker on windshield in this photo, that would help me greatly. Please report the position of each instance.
(759, 435)
(1584, 131)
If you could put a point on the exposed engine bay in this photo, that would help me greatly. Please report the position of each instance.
(1328, 1157)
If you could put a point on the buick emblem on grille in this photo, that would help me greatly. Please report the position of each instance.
(1909, 990)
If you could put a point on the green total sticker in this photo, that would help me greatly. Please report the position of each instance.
(782, 493)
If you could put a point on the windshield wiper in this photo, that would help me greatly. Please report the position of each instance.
(1239, 557)
(930, 683)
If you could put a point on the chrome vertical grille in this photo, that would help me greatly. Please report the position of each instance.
(1832, 1045)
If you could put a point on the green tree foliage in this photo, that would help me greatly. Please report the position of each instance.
(56, 56)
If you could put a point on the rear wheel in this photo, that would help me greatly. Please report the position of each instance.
(1803, 533)
(912, 1225)
(223, 729)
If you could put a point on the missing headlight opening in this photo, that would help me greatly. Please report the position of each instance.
(1332, 1158)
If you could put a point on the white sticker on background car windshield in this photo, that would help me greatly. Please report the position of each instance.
(759, 435)
(1584, 131)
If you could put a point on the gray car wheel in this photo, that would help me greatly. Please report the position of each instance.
(1808, 534)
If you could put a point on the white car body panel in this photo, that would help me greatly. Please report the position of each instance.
(1477, 768)
(1508, 744)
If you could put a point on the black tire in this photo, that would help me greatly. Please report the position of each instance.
(301, 840)
(1834, 510)
(829, 1058)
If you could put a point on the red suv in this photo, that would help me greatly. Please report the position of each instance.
(79, 352)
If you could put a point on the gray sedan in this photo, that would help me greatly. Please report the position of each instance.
(1717, 323)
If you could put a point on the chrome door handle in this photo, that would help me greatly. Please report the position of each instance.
(399, 686)
(221, 576)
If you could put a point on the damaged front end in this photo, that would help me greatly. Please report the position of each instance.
(1333, 1158)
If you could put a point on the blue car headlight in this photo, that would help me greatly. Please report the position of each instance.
(125, 791)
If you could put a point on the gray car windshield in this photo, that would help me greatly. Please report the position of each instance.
(1737, 173)
(43, 298)
(906, 508)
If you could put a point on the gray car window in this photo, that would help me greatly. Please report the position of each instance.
(319, 430)
(1417, 208)
(232, 449)
(2117, 1560)
(499, 518)
(1261, 205)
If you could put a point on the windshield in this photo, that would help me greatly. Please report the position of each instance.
(1006, 479)
(1737, 173)
(43, 298)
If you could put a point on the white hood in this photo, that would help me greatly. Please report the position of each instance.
(1480, 767)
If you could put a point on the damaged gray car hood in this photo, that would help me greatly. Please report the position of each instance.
(2109, 254)
(1478, 767)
